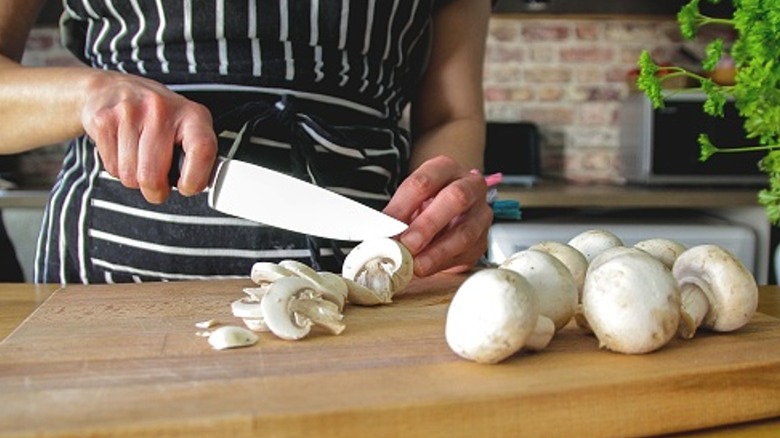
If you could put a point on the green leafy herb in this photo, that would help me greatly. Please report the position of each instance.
(756, 93)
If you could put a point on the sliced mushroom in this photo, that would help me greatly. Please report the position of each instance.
(251, 312)
(293, 305)
(382, 265)
(264, 273)
(494, 314)
(718, 291)
(231, 337)
(330, 288)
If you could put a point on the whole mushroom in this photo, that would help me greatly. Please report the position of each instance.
(593, 242)
(495, 313)
(665, 250)
(551, 281)
(631, 301)
(718, 291)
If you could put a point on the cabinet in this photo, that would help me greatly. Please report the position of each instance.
(737, 205)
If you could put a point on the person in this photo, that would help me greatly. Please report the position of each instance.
(318, 89)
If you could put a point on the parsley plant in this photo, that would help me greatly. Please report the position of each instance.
(756, 92)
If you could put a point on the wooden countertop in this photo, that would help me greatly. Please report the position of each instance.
(117, 354)
(557, 194)
(23, 198)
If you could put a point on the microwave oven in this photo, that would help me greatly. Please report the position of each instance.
(660, 146)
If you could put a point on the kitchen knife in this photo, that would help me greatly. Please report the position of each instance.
(263, 195)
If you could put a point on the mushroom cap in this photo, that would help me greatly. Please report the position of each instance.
(491, 316)
(551, 280)
(382, 264)
(573, 259)
(593, 242)
(729, 286)
(611, 253)
(665, 250)
(632, 303)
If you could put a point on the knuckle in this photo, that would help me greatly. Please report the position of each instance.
(419, 182)
(457, 196)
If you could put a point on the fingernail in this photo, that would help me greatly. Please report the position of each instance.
(412, 241)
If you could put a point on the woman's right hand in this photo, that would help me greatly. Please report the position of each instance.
(136, 122)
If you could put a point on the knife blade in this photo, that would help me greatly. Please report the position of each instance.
(259, 194)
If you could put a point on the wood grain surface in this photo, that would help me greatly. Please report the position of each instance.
(124, 360)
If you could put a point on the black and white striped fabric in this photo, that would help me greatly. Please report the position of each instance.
(320, 85)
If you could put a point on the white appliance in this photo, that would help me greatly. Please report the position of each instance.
(740, 239)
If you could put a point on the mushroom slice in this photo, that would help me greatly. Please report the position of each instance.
(551, 281)
(250, 311)
(382, 265)
(292, 306)
(718, 291)
(231, 337)
(593, 242)
(631, 302)
(336, 289)
(264, 273)
(493, 315)
(330, 288)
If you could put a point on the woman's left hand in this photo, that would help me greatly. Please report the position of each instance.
(446, 208)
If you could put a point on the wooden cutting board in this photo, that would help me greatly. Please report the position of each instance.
(125, 360)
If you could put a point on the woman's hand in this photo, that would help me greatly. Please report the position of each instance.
(448, 216)
(136, 122)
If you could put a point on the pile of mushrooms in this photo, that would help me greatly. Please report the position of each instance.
(633, 299)
(291, 299)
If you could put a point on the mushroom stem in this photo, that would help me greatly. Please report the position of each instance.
(320, 312)
(694, 308)
(542, 335)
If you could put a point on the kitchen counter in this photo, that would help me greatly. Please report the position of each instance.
(23, 198)
(124, 360)
(559, 194)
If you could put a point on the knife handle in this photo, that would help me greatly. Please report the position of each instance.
(177, 161)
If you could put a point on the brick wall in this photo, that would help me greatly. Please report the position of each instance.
(567, 75)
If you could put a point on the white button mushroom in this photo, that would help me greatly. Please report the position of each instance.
(718, 291)
(551, 280)
(572, 258)
(293, 305)
(576, 263)
(382, 265)
(593, 242)
(494, 314)
(665, 250)
(631, 301)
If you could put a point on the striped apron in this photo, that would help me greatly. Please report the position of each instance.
(320, 85)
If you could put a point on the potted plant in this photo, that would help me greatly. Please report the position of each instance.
(755, 90)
